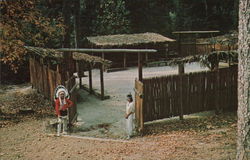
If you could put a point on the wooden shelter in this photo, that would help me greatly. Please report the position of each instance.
(130, 41)
(52, 60)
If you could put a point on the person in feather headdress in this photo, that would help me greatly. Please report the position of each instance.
(61, 106)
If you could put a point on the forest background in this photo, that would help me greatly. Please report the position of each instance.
(67, 23)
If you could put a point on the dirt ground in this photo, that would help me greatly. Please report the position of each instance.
(174, 141)
(203, 136)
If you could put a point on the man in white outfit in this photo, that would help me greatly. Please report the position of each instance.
(130, 116)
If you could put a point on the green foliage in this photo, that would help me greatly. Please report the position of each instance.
(111, 18)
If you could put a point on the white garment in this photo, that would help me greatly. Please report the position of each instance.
(62, 102)
(62, 122)
(130, 120)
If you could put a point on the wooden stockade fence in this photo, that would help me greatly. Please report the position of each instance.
(45, 80)
(163, 97)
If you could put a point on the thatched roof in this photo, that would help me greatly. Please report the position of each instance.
(128, 39)
(90, 59)
(207, 59)
(47, 53)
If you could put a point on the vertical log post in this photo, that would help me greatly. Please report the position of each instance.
(78, 67)
(124, 60)
(180, 66)
(139, 67)
(195, 44)
(180, 72)
(102, 82)
(101, 79)
(146, 57)
(90, 80)
(181, 96)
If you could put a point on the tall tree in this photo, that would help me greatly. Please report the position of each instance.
(22, 23)
(243, 141)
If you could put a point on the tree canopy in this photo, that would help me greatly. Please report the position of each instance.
(40, 23)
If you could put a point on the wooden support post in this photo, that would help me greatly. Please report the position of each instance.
(102, 82)
(140, 67)
(90, 80)
(146, 57)
(181, 96)
(181, 71)
(78, 73)
(80, 82)
(217, 87)
(195, 44)
(124, 60)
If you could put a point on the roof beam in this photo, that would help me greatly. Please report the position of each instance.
(86, 50)
(194, 32)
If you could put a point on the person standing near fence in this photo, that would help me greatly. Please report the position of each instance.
(61, 105)
(130, 116)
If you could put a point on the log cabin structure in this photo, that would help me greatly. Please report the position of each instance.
(130, 41)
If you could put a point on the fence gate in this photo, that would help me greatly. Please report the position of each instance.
(71, 86)
(139, 105)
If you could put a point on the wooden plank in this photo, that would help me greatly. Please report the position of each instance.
(51, 78)
(184, 94)
(139, 106)
(31, 67)
(181, 86)
(45, 81)
(142, 109)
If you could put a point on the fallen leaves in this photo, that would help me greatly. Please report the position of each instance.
(17, 107)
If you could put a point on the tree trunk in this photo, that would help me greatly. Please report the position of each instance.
(243, 141)
(68, 60)
(77, 15)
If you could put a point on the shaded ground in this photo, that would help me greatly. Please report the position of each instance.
(106, 118)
